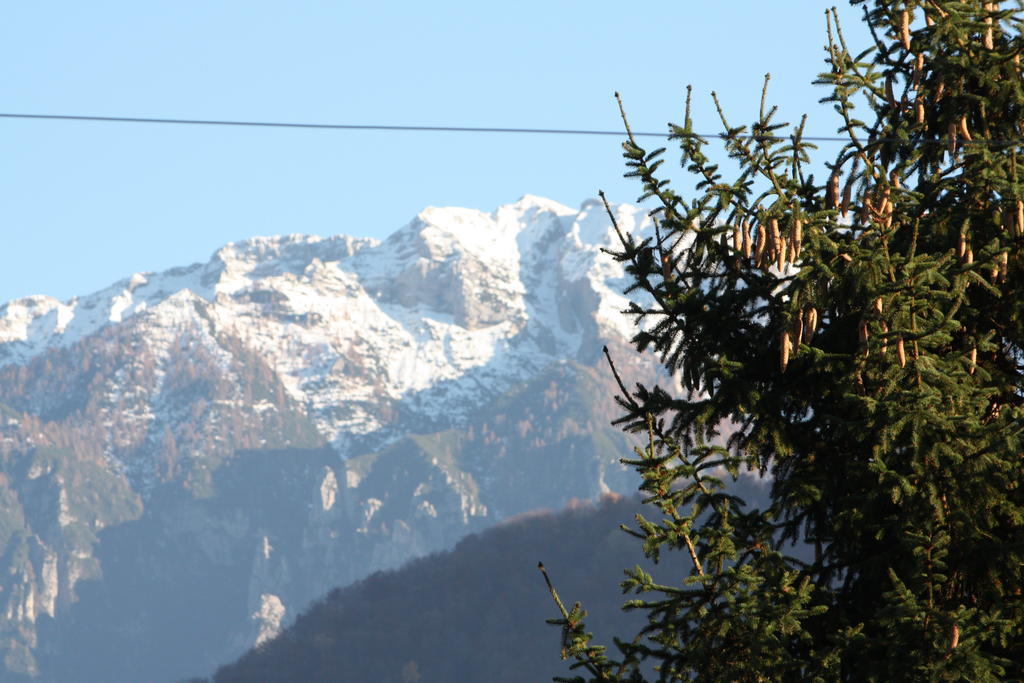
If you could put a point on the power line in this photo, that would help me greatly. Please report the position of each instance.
(354, 126)
(470, 129)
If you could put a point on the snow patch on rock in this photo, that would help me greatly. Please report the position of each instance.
(328, 489)
(269, 616)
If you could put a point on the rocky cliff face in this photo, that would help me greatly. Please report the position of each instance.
(188, 458)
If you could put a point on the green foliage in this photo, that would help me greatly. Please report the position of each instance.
(861, 339)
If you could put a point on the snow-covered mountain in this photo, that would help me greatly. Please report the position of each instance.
(291, 415)
(456, 304)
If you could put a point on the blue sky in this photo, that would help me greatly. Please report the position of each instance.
(84, 204)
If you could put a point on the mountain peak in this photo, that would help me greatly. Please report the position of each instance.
(531, 201)
(322, 405)
(456, 304)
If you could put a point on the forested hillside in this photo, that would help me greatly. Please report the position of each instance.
(475, 613)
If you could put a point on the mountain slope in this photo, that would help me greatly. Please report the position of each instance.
(477, 612)
(298, 412)
(473, 614)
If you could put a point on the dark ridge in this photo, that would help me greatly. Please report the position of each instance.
(472, 614)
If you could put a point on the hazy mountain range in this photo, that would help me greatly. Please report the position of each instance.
(189, 458)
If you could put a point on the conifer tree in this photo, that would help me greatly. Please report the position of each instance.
(858, 340)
